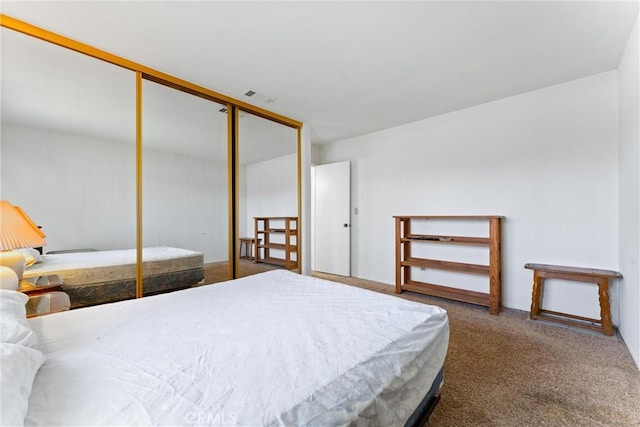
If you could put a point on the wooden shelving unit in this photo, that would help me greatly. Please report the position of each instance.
(280, 234)
(405, 262)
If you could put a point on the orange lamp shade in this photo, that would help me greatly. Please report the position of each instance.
(17, 230)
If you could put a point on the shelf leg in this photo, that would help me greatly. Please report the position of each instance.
(495, 265)
(398, 258)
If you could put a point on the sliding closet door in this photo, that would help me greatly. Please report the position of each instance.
(185, 189)
(68, 145)
(268, 196)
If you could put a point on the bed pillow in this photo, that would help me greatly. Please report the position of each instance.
(18, 368)
(31, 256)
(14, 327)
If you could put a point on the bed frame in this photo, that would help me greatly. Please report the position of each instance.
(423, 412)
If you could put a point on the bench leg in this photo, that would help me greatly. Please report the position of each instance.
(535, 296)
(605, 307)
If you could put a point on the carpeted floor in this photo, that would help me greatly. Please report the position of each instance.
(507, 370)
(219, 271)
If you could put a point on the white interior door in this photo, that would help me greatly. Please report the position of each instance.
(332, 200)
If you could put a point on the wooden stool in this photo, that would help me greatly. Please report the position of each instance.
(578, 274)
(248, 243)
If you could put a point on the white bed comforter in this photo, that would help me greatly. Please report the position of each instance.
(273, 349)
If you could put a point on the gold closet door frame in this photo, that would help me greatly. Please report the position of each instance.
(234, 106)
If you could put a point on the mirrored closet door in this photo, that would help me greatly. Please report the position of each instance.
(192, 176)
(68, 146)
(268, 195)
(185, 189)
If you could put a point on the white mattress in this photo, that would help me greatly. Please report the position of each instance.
(104, 266)
(273, 349)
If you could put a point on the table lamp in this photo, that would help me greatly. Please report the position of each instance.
(17, 231)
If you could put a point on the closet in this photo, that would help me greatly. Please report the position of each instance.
(150, 125)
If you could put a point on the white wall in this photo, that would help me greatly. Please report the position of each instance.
(272, 189)
(185, 203)
(77, 188)
(245, 225)
(629, 177)
(546, 160)
(82, 191)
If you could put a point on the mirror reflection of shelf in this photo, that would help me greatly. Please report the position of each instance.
(279, 235)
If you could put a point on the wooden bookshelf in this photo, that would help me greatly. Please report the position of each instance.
(277, 234)
(405, 261)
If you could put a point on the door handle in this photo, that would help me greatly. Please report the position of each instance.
(345, 225)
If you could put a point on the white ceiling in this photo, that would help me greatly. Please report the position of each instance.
(350, 68)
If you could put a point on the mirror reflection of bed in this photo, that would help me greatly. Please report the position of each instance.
(92, 277)
(68, 145)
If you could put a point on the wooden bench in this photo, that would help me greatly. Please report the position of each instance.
(578, 274)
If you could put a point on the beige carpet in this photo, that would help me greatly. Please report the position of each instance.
(507, 370)
(216, 272)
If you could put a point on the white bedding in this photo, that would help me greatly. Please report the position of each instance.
(102, 266)
(273, 349)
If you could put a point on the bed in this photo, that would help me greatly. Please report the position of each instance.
(99, 277)
(276, 348)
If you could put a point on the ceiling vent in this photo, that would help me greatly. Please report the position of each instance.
(250, 93)
(224, 110)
